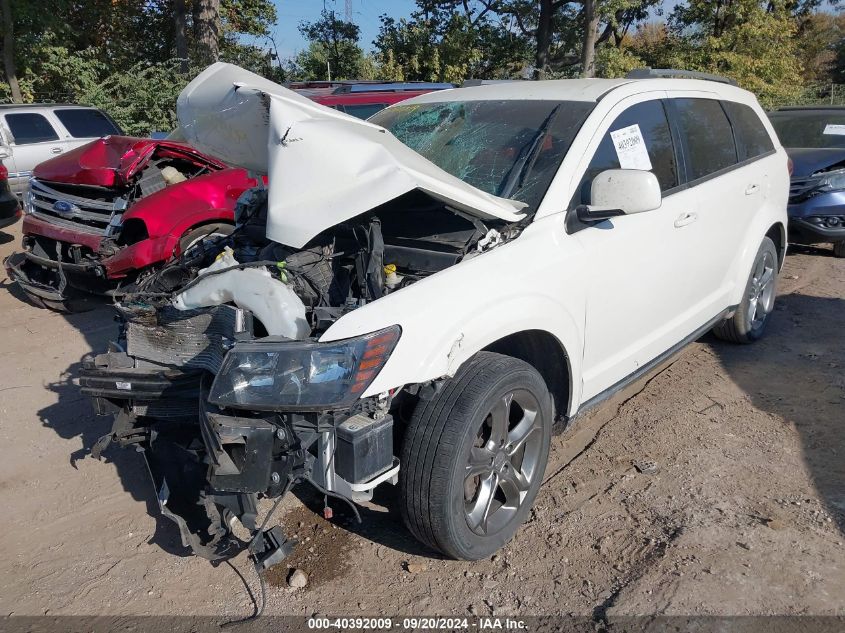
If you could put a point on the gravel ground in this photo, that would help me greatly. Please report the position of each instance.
(741, 510)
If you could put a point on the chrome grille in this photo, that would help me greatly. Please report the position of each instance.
(84, 214)
(803, 188)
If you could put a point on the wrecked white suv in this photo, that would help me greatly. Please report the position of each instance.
(415, 299)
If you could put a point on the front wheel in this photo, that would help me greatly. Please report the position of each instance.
(839, 248)
(196, 235)
(750, 319)
(473, 456)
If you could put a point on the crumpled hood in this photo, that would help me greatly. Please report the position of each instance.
(324, 166)
(111, 161)
(808, 160)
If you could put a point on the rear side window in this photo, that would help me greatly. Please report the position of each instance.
(364, 110)
(651, 124)
(30, 127)
(82, 123)
(752, 139)
(707, 134)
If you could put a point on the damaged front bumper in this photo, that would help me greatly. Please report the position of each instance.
(210, 465)
(45, 282)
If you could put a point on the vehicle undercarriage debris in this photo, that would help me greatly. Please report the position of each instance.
(211, 461)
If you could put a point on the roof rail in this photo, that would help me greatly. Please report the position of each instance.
(471, 83)
(391, 87)
(668, 73)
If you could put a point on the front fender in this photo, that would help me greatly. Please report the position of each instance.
(161, 247)
(450, 316)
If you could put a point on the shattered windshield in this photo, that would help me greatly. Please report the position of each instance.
(507, 148)
(810, 129)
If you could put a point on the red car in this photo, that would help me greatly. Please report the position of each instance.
(363, 100)
(10, 210)
(100, 216)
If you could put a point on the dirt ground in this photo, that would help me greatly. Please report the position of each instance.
(743, 511)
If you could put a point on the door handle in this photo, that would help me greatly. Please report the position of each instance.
(750, 190)
(55, 150)
(684, 219)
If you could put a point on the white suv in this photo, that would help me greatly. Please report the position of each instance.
(418, 297)
(33, 133)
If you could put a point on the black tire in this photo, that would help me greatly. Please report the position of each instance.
(839, 248)
(446, 430)
(193, 236)
(744, 327)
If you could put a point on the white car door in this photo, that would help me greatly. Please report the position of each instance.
(721, 146)
(636, 266)
(34, 139)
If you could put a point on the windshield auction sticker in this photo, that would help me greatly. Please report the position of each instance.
(630, 148)
(834, 128)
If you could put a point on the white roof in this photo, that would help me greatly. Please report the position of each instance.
(551, 89)
(576, 90)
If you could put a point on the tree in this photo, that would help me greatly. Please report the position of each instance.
(9, 51)
(451, 40)
(334, 45)
(180, 34)
(207, 30)
(588, 47)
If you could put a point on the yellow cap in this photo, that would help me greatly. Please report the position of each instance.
(390, 269)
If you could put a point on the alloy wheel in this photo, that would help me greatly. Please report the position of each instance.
(503, 462)
(761, 291)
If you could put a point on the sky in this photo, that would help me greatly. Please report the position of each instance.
(365, 14)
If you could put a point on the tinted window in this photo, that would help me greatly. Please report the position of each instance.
(364, 110)
(510, 148)
(704, 127)
(86, 123)
(29, 127)
(752, 139)
(809, 128)
(650, 118)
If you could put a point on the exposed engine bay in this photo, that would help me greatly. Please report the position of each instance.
(214, 446)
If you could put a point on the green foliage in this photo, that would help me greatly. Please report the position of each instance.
(119, 54)
(143, 100)
(439, 43)
(333, 48)
(754, 44)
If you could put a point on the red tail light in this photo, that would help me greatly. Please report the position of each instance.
(4, 173)
(790, 166)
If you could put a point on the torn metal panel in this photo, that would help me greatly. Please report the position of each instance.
(324, 166)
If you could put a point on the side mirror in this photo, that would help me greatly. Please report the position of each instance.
(616, 192)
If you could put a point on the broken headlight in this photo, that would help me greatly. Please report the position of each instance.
(273, 375)
(833, 180)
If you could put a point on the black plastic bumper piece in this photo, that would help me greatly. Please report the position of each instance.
(804, 232)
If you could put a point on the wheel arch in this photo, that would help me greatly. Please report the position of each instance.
(543, 351)
(777, 233)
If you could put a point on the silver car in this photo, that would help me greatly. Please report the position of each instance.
(33, 133)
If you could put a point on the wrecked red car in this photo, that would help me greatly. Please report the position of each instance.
(104, 215)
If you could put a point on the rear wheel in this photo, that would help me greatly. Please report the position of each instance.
(473, 457)
(750, 319)
(839, 248)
